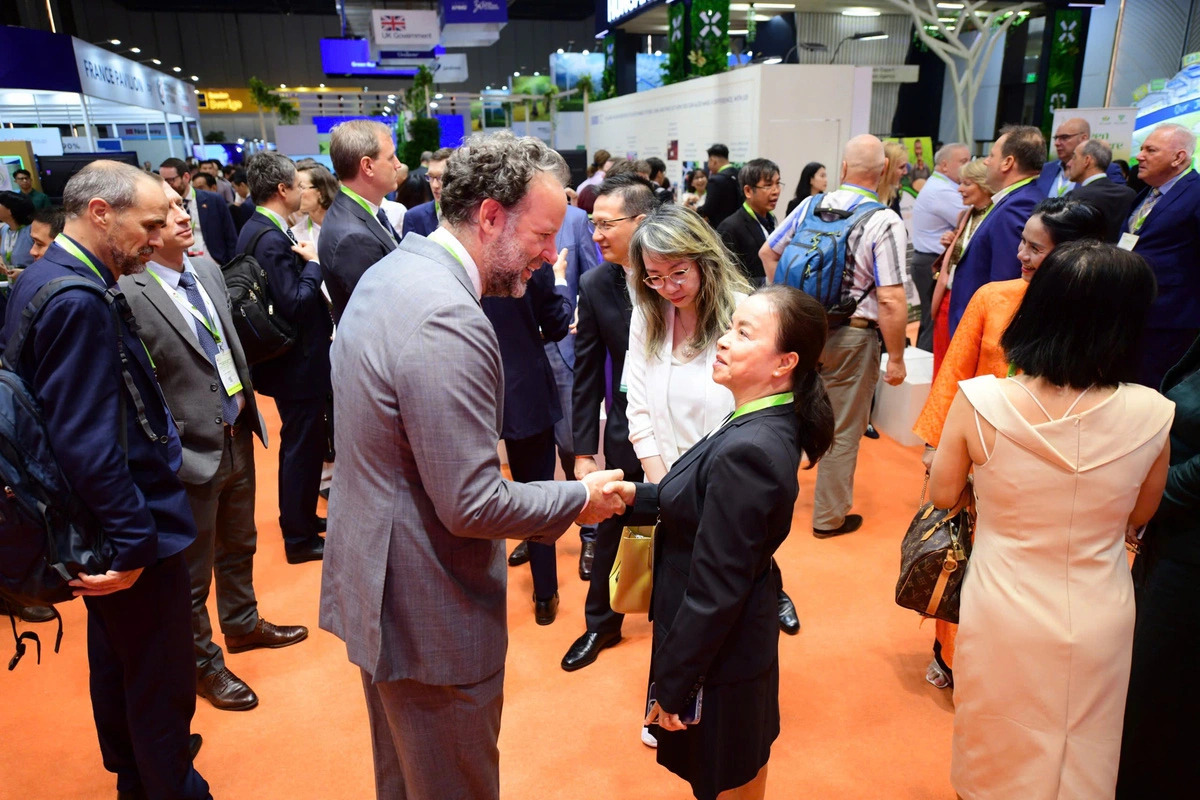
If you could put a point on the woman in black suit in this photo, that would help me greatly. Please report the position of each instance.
(723, 510)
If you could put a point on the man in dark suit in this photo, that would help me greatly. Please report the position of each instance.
(1164, 229)
(745, 231)
(212, 224)
(1013, 163)
(723, 197)
(424, 219)
(139, 612)
(356, 232)
(298, 380)
(183, 314)
(1054, 180)
(1086, 170)
(531, 407)
(605, 310)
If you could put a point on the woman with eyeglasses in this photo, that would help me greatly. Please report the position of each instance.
(318, 188)
(687, 286)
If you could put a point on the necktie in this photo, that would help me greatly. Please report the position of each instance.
(187, 206)
(290, 235)
(1139, 217)
(229, 407)
(387, 226)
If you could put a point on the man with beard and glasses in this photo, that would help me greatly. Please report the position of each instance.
(414, 576)
(143, 676)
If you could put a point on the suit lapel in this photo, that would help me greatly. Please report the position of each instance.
(371, 222)
(1170, 197)
(157, 296)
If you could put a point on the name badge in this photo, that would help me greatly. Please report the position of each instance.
(228, 372)
(1128, 241)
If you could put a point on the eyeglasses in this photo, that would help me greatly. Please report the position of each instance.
(769, 186)
(1062, 137)
(303, 186)
(606, 225)
(677, 277)
(431, 178)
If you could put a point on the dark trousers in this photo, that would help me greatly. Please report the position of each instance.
(532, 459)
(225, 544)
(564, 437)
(143, 683)
(1161, 349)
(922, 278)
(303, 445)
(597, 612)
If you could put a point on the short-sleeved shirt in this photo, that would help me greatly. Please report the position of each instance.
(878, 245)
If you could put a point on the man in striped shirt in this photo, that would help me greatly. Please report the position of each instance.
(850, 362)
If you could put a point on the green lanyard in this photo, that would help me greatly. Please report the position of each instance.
(849, 187)
(763, 402)
(727, 166)
(1001, 195)
(450, 250)
(271, 215)
(202, 318)
(353, 195)
(12, 243)
(66, 244)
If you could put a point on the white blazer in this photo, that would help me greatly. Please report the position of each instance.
(653, 430)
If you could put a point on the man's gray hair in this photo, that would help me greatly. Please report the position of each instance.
(265, 171)
(1098, 151)
(499, 166)
(1183, 138)
(350, 142)
(111, 181)
(945, 151)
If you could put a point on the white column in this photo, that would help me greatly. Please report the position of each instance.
(170, 141)
(87, 123)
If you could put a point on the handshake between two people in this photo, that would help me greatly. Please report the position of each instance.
(608, 494)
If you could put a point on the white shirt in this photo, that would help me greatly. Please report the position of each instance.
(193, 210)
(446, 239)
(1062, 184)
(170, 278)
(305, 230)
(395, 214)
(936, 211)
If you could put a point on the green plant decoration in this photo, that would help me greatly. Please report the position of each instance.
(584, 84)
(416, 97)
(423, 134)
(213, 137)
(675, 68)
(710, 36)
(289, 113)
(608, 82)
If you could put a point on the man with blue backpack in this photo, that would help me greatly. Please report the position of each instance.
(848, 251)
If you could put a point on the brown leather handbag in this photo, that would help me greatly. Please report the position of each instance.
(933, 558)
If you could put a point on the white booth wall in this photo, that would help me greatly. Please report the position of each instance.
(789, 113)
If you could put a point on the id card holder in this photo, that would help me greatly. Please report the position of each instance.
(1127, 241)
(690, 715)
(227, 371)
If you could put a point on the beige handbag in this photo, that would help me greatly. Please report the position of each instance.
(632, 577)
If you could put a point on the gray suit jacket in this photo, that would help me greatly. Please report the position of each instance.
(414, 578)
(188, 379)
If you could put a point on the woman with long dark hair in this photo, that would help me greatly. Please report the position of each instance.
(724, 509)
(813, 180)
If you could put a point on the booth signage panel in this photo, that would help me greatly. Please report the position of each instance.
(450, 68)
(468, 11)
(112, 77)
(44, 141)
(225, 101)
(1113, 126)
(50, 52)
(619, 10)
(406, 29)
(903, 73)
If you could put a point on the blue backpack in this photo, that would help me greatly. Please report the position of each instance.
(815, 260)
(47, 534)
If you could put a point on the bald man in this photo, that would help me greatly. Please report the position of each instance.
(1054, 180)
(850, 361)
(1164, 229)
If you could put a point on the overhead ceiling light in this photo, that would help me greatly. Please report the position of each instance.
(861, 12)
(658, 52)
(869, 37)
(537, 74)
(516, 74)
(437, 96)
(195, 77)
(156, 62)
(739, 32)
(283, 86)
(135, 49)
(950, 6)
(773, 60)
(321, 85)
(585, 52)
(177, 69)
(560, 51)
(114, 41)
(433, 105)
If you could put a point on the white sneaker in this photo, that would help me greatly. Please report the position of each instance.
(648, 738)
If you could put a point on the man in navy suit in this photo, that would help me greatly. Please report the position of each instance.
(1054, 180)
(424, 219)
(212, 224)
(298, 380)
(991, 255)
(1164, 229)
(531, 406)
(356, 232)
(139, 612)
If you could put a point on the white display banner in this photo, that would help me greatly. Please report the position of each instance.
(405, 29)
(1113, 126)
(450, 68)
(44, 141)
(109, 76)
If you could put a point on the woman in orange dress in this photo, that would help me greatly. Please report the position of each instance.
(975, 350)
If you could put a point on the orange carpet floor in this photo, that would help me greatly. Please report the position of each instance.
(858, 718)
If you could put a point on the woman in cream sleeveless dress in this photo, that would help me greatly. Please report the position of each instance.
(1046, 624)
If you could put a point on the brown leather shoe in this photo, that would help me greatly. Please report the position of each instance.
(226, 691)
(266, 635)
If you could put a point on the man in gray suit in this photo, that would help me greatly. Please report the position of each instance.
(183, 314)
(414, 576)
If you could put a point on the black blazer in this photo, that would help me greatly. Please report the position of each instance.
(422, 219)
(602, 333)
(523, 325)
(723, 510)
(1175, 530)
(1113, 200)
(216, 223)
(1169, 241)
(722, 197)
(743, 235)
(303, 372)
(351, 241)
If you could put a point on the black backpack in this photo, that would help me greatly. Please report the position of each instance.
(47, 534)
(263, 333)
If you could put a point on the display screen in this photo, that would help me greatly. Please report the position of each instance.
(353, 57)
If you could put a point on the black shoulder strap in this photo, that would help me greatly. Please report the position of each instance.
(31, 312)
(253, 243)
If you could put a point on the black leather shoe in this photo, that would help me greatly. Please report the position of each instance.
(587, 554)
(322, 524)
(850, 524)
(519, 556)
(266, 635)
(870, 432)
(789, 623)
(587, 648)
(544, 611)
(310, 551)
(226, 691)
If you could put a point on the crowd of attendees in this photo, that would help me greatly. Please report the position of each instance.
(1055, 297)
